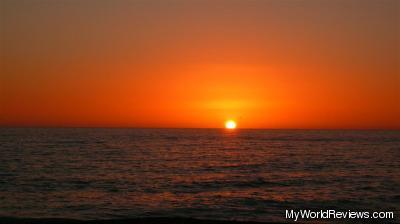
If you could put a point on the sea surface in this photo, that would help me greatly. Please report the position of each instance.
(247, 175)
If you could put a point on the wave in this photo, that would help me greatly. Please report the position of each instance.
(155, 220)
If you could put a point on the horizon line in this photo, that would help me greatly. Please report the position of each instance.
(223, 128)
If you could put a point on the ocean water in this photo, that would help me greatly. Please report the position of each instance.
(248, 175)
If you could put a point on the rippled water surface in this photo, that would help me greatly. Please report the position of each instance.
(202, 173)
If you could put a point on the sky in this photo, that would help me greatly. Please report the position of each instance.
(297, 64)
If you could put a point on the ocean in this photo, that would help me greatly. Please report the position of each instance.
(245, 175)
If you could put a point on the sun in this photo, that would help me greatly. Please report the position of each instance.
(231, 124)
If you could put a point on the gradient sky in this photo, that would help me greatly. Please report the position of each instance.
(188, 63)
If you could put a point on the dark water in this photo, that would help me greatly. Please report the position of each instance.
(202, 173)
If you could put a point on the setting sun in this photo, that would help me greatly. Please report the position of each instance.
(230, 124)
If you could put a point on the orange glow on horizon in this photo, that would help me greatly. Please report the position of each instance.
(268, 64)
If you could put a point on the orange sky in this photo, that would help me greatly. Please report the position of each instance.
(169, 63)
